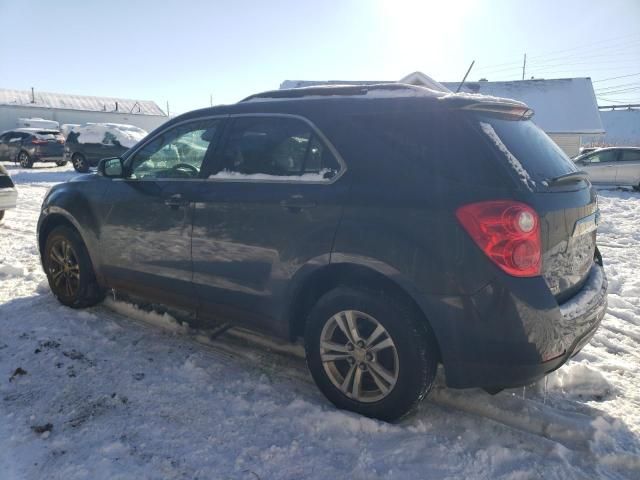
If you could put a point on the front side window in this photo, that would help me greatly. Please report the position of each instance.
(602, 157)
(176, 153)
(275, 148)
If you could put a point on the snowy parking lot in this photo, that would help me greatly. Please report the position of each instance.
(115, 392)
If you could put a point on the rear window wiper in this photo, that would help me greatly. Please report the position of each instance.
(570, 177)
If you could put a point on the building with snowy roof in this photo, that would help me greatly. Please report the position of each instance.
(76, 109)
(566, 109)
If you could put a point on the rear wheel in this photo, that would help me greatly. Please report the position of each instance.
(69, 270)
(370, 353)
(25, 160)
(80, 163)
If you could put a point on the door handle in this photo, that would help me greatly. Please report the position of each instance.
(176, 201)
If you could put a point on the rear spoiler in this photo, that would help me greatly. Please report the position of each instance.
(505, 107)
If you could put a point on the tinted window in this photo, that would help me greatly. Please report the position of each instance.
(523, 142)
(423, 146)
(602, 157)
(275, 147)
(630, 156)
(176, 153)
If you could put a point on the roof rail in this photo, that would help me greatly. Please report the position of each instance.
(335, 90)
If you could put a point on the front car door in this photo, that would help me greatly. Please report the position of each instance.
(4, 148)
(146, 237)
(269, 208)
(628, 171)
(601, 166)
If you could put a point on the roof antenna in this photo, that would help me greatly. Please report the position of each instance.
(465, 76)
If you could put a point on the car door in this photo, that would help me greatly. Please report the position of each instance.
(628, 171)
(601, 166)
(4, 148)
(146, 237)
(271, 204)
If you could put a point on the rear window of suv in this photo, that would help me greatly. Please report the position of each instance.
(531, 153)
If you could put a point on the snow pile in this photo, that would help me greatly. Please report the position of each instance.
(580, 380)
(126, 135)
(513, 161)
(482, 98)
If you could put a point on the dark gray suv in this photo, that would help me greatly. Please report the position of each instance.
(392, 227)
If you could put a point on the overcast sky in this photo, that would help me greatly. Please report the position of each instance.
(185, 51)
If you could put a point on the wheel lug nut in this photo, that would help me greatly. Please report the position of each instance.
(369, 357)
(362, 366)
(360, 343)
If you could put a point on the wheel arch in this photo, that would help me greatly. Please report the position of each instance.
(59, 218)
(325, 278)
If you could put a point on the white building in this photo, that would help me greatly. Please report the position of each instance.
(622, 127)
(77, 109)
(566, 109)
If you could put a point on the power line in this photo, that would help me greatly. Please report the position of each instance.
(615, 78)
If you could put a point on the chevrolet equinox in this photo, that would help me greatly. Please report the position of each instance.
(392, 227)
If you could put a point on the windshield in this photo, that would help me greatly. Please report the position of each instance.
(532, 153)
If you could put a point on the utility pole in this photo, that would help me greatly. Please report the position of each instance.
(524, 65)
(211, 100)
(168, 109)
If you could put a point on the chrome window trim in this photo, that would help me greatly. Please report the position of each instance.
(289, 179)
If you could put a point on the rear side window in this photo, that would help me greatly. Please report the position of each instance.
(530, 152)
(275, 148)
(423, 146)
(630, 156)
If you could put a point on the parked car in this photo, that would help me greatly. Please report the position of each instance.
(89, 143)
(612, 166)
(585, 150)
(29, 145)
(8, 193)
(391, 227)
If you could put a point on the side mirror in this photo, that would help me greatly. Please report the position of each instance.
(111, 167)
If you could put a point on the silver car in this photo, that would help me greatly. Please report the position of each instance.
(8, 194)
(612, 166)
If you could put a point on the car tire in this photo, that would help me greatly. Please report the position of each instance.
(61, 163)
(69, 269)
(391, 380)
(25, 160)
(79, 162)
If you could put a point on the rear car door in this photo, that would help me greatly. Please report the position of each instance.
(271, 204)
(601, 166)
(146, 237)
(628, 171)
(14, 144)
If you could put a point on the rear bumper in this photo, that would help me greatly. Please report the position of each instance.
(8, 198)
(512, 336)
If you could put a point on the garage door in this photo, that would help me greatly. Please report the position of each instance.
(570, 144)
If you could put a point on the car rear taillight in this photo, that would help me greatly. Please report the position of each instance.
(38, 141)
(508, 233)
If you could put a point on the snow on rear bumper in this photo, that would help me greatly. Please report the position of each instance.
(8, 198)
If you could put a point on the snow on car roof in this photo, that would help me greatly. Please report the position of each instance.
(382, 90)
(126, 135)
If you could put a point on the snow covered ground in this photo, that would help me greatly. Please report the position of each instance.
(114, 392)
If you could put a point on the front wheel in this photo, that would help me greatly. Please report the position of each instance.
(25, 160)
(80, 163)
(69, 270)
(370, 353)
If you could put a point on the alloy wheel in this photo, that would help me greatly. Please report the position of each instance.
(64, 268)
(359, 356)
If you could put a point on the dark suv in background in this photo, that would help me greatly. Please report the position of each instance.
(87, 144)
(392, 227)
(29, 145)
